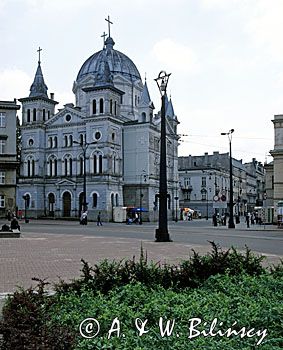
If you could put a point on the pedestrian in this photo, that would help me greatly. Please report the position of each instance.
(214, 219)
(248, 220)
(83, 220)
(99, 223)
(9, 215)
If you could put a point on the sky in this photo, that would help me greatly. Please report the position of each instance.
(225, 56)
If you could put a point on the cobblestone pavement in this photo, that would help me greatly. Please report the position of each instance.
(54, 256)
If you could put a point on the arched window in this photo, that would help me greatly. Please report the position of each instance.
(70, 140)
(50, 167)
(143, 117)
(94, 107)
(43, 114)
(101, 105)
(81, 139)
(81, 166)
(55, 142)
(66, 166)
(34, 114)
(55, 167)
(112, 199)
(117, 200)
(100, 164)
(33, 167)
(70, 166)
(28, 168)
(115, 108)
(95, 164)
(94, 200)
(27, 200)
(28, 116)
(65, 141)
(111, 106)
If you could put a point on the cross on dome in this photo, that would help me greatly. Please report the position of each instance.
(109, 22)
(103, 36)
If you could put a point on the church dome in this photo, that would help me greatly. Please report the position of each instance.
(118, 63)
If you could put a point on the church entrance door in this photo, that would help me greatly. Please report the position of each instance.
(66, 204)
(51, 202)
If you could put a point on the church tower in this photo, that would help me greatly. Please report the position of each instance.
(37, 108)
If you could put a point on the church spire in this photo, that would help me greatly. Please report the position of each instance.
(38, 87)
(169, 109)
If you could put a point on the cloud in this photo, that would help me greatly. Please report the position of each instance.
(265, 27)
(175, 56)
(14, 83)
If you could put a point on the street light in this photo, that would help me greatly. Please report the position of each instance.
(176, 211)
(84, 145)
(231, 217)
(141, 196)
(26, 199)
(161, 233)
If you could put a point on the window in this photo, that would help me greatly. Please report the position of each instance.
(34, 114)
(2, 146)
(115, 108)
(28, 115)
(30, 167)
(111, 106)
(65, 141)
(2, 201)
(2, 120)
(143, 117)
(101, 105)
(2, 177)
(81, 166)
(94, 107)
(94, 164)
(94, 200)
(187, 181)
(97, 135)
(30, 142)
(43, 114)
(68, 118)
(100, 164)
(117, 199)
(68, 165)
(48, 113)
(55, 142)
(50, 142)
(203, 181)
(70, 140)
(82, 137)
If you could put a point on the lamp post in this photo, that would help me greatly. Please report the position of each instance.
(161, 233)
(231, 223)
(176, 209)
(141, 196)
(26, 198)
(84, 145)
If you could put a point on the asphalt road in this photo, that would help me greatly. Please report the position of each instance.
(265, 240)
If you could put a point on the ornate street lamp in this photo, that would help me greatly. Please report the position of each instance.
(231, 216)
(141, 195)
(26, 199)
(161, 233)
(84, 145)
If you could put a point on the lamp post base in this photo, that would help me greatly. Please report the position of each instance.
(162, 236)
(231, 224)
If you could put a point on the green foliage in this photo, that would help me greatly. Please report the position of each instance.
(254, 302)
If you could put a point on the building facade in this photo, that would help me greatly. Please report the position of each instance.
(8, 156)
(205, 187)
(108, 139)
(277, 164)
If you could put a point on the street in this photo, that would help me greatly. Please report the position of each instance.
(53, 248)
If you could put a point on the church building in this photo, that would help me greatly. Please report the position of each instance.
(106, 144)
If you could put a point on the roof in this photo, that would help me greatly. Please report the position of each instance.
(118, 63)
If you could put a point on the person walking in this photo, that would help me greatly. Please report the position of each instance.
(248, 220)
(99, 223)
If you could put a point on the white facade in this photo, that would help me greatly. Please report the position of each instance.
(115, 123)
